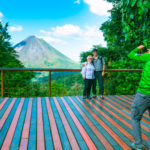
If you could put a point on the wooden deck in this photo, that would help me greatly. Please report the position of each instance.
(67, 123)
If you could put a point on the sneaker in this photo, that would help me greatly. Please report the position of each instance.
(135, 147)
(102, 97)
(94, 96)
(84, 97)
(89, 97)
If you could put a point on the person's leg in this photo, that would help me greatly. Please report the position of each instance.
(89, 87)
(94, 86)
(138, 107)
(94, 83)
(100, 81)
(85, 90)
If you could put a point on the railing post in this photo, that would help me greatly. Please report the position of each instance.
(49, 83)
(2, 83)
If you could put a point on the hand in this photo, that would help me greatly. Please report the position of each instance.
(103, 73)
(83, 78)
(83, 65)
(141, 47)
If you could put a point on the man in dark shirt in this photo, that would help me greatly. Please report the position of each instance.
(99, 65)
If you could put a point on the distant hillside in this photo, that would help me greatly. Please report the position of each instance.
(37, 53)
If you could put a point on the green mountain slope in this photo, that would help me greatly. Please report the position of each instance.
(37, 53)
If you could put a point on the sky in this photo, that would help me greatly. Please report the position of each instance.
(71, 26)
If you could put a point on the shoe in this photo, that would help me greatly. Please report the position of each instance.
(88, 97)
(84, 97)
(102, 97)
(135, 147)
(94, 96)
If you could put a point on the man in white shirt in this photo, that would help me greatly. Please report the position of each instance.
(88, 76)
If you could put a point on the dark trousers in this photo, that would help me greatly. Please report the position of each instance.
(88, 83)
(99, 77)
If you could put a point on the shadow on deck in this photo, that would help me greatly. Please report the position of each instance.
(67, 123)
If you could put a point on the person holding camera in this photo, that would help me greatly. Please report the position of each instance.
(141, 102)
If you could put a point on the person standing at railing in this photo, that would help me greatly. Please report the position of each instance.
(141, 102)
(88, 76)
(99, 64)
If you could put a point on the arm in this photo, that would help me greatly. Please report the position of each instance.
(84, 72)
(104, 67)
(143, 57)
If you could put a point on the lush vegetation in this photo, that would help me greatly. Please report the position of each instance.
(127, 27)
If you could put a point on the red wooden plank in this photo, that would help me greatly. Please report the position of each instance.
(119, 111)
(129, 106)
(103, 140)
(53, 126)
(84, 134)
(112, 133)
(68, 130)
(10, 133)
(4, 117)
(3, 102)
(122, 107)
(26, 127)
(40, 130)
(24, 144)
(122, 113)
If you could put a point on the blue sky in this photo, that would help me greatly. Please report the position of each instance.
(71, 26)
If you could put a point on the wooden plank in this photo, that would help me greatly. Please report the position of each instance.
(26, 127)
(121, 119)
(119, 111)
(75, 130)
(3, 102)
(3, 119)
(103, 140)
(32, 143)
(18, 131)
(146, 120)
(112, 133)
(68, 130)
(40, 130)
(54, 130)
(47, 131)
(84, 134)
(10, 133)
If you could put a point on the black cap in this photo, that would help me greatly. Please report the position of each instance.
(95, 49)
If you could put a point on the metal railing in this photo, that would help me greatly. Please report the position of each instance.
(50, 73)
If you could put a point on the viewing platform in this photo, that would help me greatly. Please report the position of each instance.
(68, 123)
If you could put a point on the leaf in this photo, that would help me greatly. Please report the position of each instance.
(133, 2)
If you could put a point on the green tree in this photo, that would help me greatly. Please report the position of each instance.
(13, 81)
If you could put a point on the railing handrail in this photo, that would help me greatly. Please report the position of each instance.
(47, 69)
(2, 70)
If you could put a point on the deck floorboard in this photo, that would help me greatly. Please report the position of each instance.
(48, 123)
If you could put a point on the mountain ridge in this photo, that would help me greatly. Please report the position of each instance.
(36, 53)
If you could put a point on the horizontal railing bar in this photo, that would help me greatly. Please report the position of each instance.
(46, 69)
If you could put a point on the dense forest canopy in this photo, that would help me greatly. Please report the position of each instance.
(127, 27)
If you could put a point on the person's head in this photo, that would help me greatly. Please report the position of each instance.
(94, 51)
(90, 58)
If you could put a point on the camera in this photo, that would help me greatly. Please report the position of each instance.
(144, 50)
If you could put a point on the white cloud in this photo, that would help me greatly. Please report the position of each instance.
(1, 16)
(66, 30)
(15, 28)
(77, 2)
(45, 32)
(78, 39)
(52, 40)
(99, 7)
